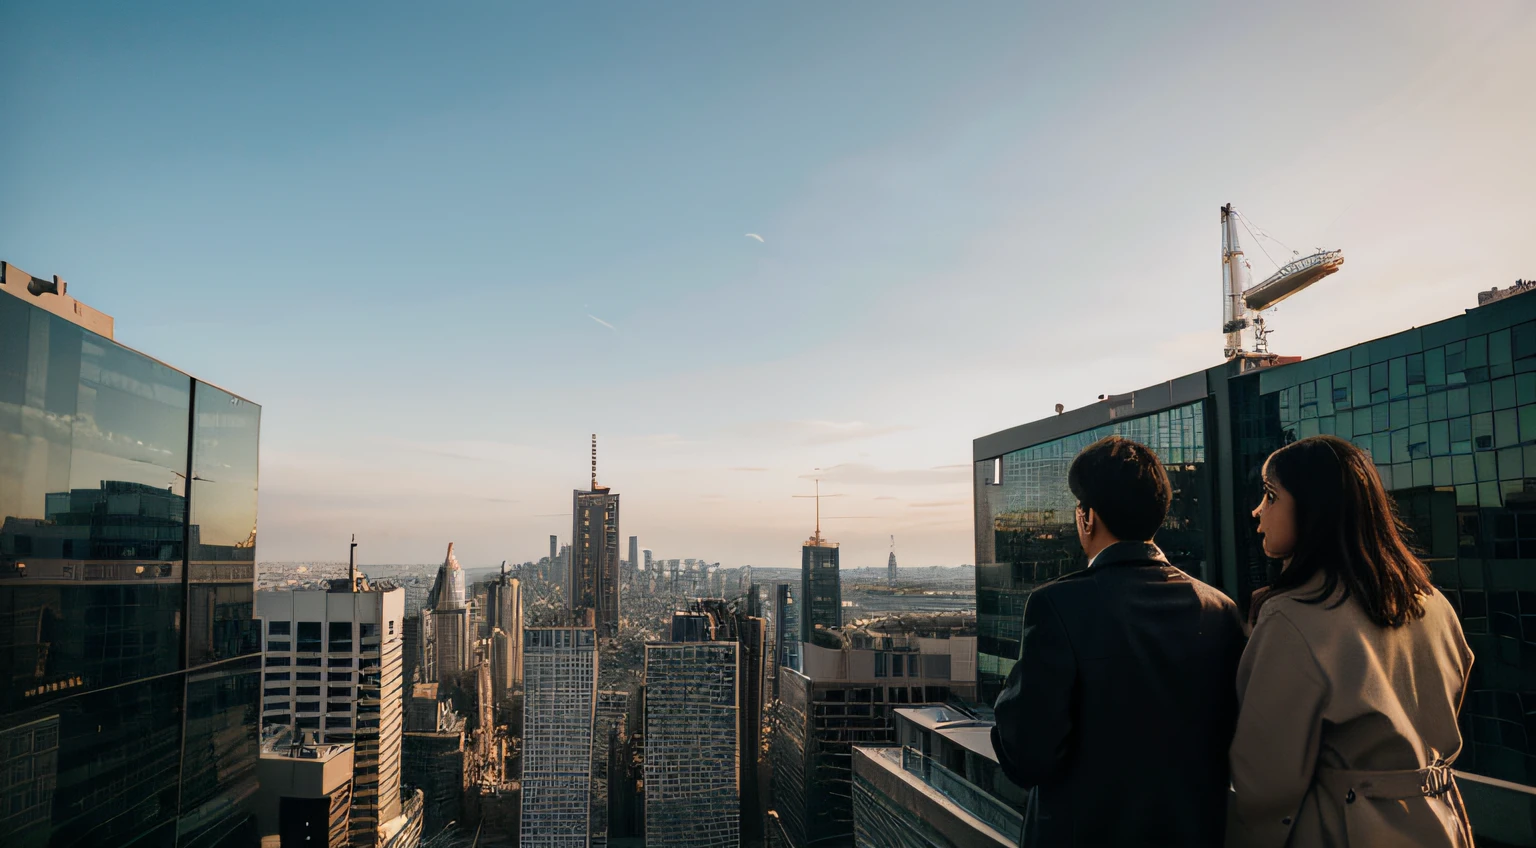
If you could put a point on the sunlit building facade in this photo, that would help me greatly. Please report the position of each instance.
(692, 744)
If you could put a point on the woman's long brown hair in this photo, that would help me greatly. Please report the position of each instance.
(1347, 529)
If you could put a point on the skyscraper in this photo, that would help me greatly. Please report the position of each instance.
(345, 650)
(131, 655)
(306, 791)
(634, 553)
(890, 566)
(554, 549)
(450, 638)
(692, 745)
(559, 694)
(821, 587)
(593, 582)
(607, 729)
(648, 557)
(506, 602)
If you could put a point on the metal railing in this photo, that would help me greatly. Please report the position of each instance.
(970, 797)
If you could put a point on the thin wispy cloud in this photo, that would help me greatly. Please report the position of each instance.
(755, 236)
(862, 474)
(936, 504)
(748, 468)
(601, 321)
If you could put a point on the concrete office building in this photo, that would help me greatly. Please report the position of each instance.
(847, 696)
(132, 659)
(559, 693)
(334, 660)
(306, 791)
(506, 600)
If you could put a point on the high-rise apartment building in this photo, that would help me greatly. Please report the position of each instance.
(554, 548)
(132, 661)
(634, 553)
(334, 660)
(648, 558)
(786, 631)
(593, 583)
(693, 744)
(559, 694)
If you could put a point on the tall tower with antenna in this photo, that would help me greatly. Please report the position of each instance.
(821, 585)
(592, 581)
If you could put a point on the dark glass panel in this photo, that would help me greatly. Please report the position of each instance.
(104, 767)
(1397, 370)
(91, 515)
(1503, 393)
(1482, 397)
(223, 533)
(218, 779)
(1437, 406)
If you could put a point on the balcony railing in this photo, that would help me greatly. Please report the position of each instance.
(971, 798)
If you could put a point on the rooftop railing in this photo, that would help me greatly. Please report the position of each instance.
(970, 797)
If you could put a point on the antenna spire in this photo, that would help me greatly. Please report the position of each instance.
(594, 462)
(818, 509)
(352, 563)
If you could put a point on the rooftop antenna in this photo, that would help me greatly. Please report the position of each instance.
(594, 462)
(816, 538)
(352, 563)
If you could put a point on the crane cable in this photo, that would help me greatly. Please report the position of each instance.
(1244, 221)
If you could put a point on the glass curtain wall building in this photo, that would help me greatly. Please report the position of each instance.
(129, 660)
(1448, 413)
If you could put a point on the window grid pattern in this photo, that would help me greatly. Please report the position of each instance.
(559, 688)
(692, 748)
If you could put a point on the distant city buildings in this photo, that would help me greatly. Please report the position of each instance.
(559, 693)
(334, 663)
(506, 605)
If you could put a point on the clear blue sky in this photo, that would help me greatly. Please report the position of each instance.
(393, 225)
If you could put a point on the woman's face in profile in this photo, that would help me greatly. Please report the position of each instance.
(1276, 513)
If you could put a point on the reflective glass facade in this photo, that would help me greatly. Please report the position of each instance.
(128, 659)
(1025, 531)
(1448, 413)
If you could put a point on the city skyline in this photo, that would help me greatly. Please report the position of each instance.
(1016, 180)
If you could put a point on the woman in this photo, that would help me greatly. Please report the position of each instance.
(1351, 682)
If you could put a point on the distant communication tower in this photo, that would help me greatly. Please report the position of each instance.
(890, 566)
(1241, 304)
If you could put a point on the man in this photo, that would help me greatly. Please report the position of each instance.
(1122, 705)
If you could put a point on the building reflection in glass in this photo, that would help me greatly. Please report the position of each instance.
(1026, 532)
(132, 727)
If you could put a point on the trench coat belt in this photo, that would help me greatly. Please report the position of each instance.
(1431, 781)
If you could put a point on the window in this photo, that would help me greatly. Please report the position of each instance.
(277, 628)
(366, 630)
(338, 706)
(279, 661)
(391, 627)
(896, 665)
(313, 691)
(339, 676)
(339, 662)
(338, 721)
(278, 718)
(309, 661)
(279, 645)
(338, 692)
(276, 675)
(308, 675)
(276, 690)
(882, 663)
(308, 707)
(309, 636)
(309, 723)
(340, 637)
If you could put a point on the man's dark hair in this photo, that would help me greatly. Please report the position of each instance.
(1124, 482)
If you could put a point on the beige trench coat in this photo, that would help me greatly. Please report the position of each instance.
(1325, 695)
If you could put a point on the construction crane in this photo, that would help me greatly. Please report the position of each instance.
(1242, 304)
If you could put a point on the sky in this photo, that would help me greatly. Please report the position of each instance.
(442, 246)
